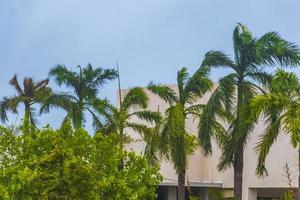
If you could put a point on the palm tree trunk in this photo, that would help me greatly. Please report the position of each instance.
(79, 125)
(181, 185)
(27, 116)
(28, 119)
(238, 166)
(80, 113)
(238, 163)
(80, 118)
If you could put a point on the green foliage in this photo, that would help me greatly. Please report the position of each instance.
(85, 84)
(120, 120)
(226, 117)
(176, 142)
(231, 98)
(215, 194)
(175, 129)
(288, 196)
(31, 94)
(194, 198)
(280, 107)
(70, 164)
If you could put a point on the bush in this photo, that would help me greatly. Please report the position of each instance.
(71, 164)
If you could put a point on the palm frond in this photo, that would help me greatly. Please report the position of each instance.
(175, 131)
(273, 50)
(57, 100)
(164, 92)
(217, 59)
(182, 79)
(40, 95)
(157, 146)
(260, 77)
(110, 122)
(14, 82)
(9, 104)
(265, 143)
(148, 116)
(195, 110)
(291, 121)
(89, 107)
(269, 105)
(228, 153)
(285, 83)
(108, 111)
(40, 85)
(244, 123)
(136, 97)
(221, 99)
(100, 76)
(197, 85)
(139, 128)
(152, 151)
(66, 102)
(63, 76)
(243, 46)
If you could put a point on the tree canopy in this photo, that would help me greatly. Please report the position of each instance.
(71, 164)
(85, 83)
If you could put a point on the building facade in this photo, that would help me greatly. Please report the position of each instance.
(202, 172)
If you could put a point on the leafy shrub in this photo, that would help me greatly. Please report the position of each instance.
(71, 164)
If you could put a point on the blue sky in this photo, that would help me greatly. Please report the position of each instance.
(150, 39)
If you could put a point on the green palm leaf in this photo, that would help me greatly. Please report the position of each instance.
(136, 97)
(85, 84)
(164, 92)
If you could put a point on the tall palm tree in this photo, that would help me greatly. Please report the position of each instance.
(31, 94)
(85, 84)
(226, 115)
(281, 108)
(177, 143)
(120, 119)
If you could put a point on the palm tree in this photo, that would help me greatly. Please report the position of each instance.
(85, 84)
(31, 94)
(281, 108)
(226, 115)
(121, 119)
(153, 151)
(176, 139)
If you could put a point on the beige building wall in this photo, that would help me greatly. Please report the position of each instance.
(203, 169)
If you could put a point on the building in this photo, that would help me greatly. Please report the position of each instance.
(202, 171)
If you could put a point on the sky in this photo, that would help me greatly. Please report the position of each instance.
(150, 39)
